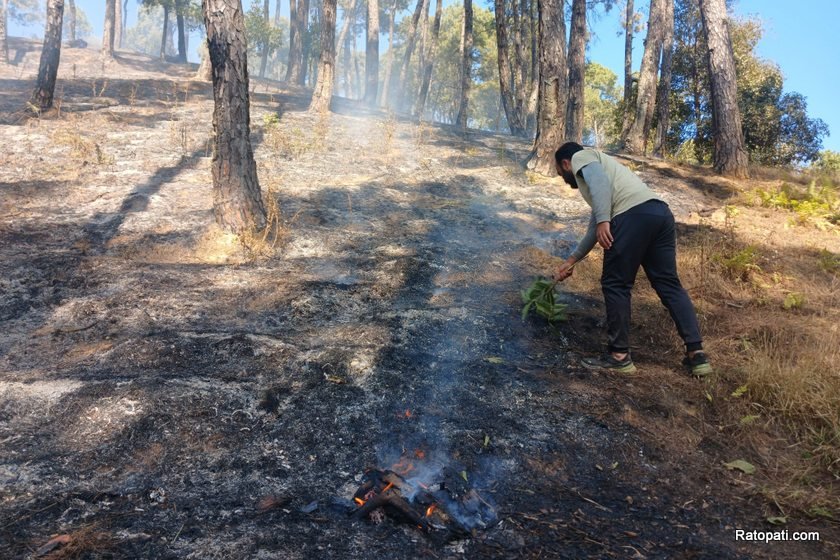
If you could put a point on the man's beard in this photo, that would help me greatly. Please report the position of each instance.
(569, 177)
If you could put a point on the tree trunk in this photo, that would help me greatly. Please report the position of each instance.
(237, 203)
(4, 29)
(71, 5)
(182, 35)
(420, 107)
(520, 74)
(553, 93)
(326, 66)
(357, 75)
(577, 66)
(634, 140)
(629, 21)
(124, 13)
(409, 50)
(303, 35)
(344, 45)
(389, 64)
(108, 32)
(293, 65)
(663, 94)
(165, 32)
(50, 56)
(205, 70)
(466, 64)
(533, 85)
(730, 157)
(372, 53)
(512, 114)
(264, 58)
(118, 23)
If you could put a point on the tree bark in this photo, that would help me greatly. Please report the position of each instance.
(50, 56)
(326, 66)
(629, 20)
(264, 57)
(577, 66)
(237, 203)
(466, 64)
(205, 70)
(730, 157)
(553, 92)
(512, 113)
(389, 64)
(294, 61)
(663, 94)
(165, 33)
(303, 36)
(124, 14)
(409, 50)
(634, 140)
(4, 29)
(372, 53)
(108, 32)
(182, 35)
(520, 72)
(344, 45)
(420, 107)
(118, 24)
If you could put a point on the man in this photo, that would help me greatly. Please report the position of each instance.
(635, 228)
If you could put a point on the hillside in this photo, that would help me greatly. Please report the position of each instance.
(166, 392)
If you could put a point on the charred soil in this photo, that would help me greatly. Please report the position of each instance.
(164, 394)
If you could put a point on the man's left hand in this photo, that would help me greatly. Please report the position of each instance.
(604, 236)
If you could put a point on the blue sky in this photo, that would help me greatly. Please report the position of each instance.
(800, 40)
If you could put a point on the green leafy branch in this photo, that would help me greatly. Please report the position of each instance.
(540, 296)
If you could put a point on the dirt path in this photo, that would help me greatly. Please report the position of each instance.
(155, 387)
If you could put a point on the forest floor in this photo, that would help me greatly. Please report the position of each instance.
(165, 393)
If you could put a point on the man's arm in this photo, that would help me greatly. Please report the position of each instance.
(584, 246)
(601, 192)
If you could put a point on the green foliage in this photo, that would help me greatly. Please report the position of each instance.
(83, 27)
(777, 129)
(540, 296)
(601, 98)
(829, 262)
(793, 300)
(813, 202)
(262, 35)
(26, 13)
(739, 264)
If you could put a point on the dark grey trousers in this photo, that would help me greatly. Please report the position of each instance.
(645, 236)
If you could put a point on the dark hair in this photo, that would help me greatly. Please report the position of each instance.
(566, 151)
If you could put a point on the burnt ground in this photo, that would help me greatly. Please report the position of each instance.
(157, 385)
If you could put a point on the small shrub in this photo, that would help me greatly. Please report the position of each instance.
(829, 262)
(740, 264)
(794, 300)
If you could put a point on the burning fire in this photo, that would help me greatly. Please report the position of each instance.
(431, 510)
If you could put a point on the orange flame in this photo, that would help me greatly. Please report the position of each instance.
(359, 501)
(407, 413)
(390, 485)
(419, 453)
(430, 510)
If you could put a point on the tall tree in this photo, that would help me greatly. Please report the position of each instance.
(389, 61)
(466, 65)
(634, 139)
(118, 23)
(165, 33)
(344, 44)
(264, 57)
(108, 33)
(237, 202)
(577, 69)
(180, 16)
(730, 157)
(50, 56)
(663, 93)
(372, 53)
(4, 26)
(629, 23)
(420, 106)
(513, 112)
(303, 34)
(326, 66)
(553, 91)
(124, 13)
(295, 47)
(409, 50)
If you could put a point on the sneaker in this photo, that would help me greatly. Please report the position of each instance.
(607, 361)
(698, 364)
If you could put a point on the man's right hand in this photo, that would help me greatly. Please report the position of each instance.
(564, 270)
